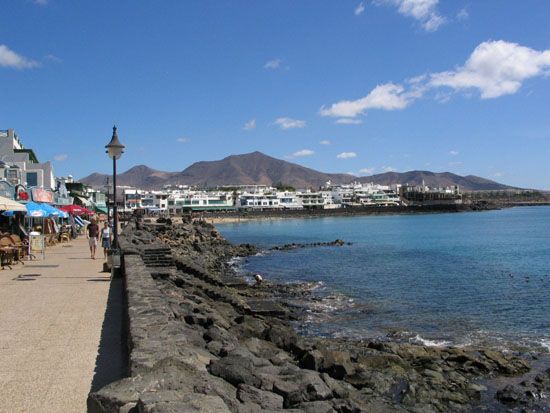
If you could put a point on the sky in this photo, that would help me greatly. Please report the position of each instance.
(358, 87)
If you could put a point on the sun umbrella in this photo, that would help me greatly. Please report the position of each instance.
(52, 211)
(76, 210)
(7, 204)
(33, 210)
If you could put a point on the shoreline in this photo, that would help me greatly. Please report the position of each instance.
(273, 215)
(207, 337)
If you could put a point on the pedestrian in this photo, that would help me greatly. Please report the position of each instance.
(92, 233)
(106, 238)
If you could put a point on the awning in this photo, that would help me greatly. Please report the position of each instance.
(101, 209)
(76, 210)
(85, 202)
(7, 204)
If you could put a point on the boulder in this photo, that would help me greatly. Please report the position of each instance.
(337, 364)
(191, 403)
(265, 399)
(282, 336)
(317, 407)
(312, 360)
(236, 370)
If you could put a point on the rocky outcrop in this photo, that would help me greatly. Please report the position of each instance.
(294, 246)
(201, 340)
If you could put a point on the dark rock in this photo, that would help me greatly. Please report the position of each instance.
(282, 336)
(301, 386)
(337, 364)
(317, 407)
(191, 403)
(236, 370)
(291, 392)
(312, 360)
(265, 399)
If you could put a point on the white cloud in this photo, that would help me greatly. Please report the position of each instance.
(498, 174)
(425, 11)
(495, 68)
(325, 142)
(8, 58)
(348, 121)
(350, 173)
(289, 123)
(454, 153)
(388, 169)
(303, 152)
(388, 96)
(250, 125)
(183, 140)
(367, 171)
(463, 14)
(61, 157)
(52, 58)
(346, 155)
(273, 64)
(360, 8)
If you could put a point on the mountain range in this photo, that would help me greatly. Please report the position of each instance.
(257, 168)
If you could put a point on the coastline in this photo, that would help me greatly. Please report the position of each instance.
(258, 215)
(239, 339)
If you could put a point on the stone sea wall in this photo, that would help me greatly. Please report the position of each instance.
(202, 340)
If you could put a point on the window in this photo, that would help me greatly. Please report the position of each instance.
(32, 179)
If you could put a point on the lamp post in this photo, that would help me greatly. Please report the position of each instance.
(108, 203)
(115, 149)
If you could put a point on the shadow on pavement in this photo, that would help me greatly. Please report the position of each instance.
(112, 358)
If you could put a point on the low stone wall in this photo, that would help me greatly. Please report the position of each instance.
(163, 366)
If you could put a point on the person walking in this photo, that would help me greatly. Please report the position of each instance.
(106, 238)
(92, 233)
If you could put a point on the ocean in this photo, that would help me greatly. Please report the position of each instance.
(472, 278)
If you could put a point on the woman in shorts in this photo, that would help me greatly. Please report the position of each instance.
(106, 237)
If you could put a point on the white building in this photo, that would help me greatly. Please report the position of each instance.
(358, 194)
(190, 200)
(259, 200)
(20, 166)
(310, 199)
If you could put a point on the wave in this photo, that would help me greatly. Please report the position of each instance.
(418, 339)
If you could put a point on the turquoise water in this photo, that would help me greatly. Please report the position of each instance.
(463, 278)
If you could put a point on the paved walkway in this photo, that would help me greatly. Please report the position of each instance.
(52, 316)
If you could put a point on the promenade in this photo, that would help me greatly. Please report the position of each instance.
(60, 325)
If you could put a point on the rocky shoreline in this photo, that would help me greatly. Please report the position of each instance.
(203, 340)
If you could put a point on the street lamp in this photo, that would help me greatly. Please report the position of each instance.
(114, 149)
(108, 203)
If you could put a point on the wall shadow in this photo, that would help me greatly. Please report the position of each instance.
(112, 358)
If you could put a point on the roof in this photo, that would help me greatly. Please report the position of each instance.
(30, 152)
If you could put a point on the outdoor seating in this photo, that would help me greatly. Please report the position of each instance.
(6, 257)
(51, 240)
(21, 245)
(8, 252)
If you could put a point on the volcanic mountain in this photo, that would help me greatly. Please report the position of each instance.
(257, 168)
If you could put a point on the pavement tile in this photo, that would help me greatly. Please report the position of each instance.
(51, 328)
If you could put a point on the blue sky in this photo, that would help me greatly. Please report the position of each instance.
(339, 86)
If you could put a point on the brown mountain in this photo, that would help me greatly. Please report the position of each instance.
(249, 169)
(435, 179)
(257, 168)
